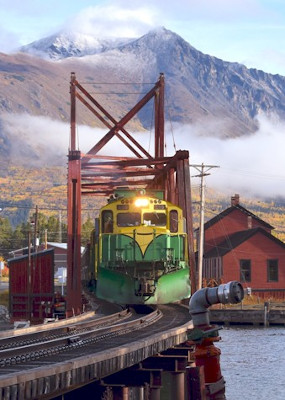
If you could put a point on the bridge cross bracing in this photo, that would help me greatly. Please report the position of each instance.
(94, 174)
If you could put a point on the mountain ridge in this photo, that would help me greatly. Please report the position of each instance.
(218, 97)
(171, 54)
(65, 44)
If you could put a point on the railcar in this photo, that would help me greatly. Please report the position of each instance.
(139, 250)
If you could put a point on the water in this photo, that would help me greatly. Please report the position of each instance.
(253, 362)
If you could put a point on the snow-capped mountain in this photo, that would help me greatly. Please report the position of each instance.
(218, 98)
(71, 44)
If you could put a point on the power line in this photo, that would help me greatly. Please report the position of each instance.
(118, 83)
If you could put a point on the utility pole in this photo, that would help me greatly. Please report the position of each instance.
(60, 227)
(46, 239)
(29, 278)
(36, 230)
(202, 169)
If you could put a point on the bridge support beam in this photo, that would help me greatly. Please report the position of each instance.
(173, 369)
(120, 393)
(154, 394)
(145, 380)
(195, 383)
(73, 298)
(177, 385)
(138, 393)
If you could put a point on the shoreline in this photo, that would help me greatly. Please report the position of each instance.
(267, 314)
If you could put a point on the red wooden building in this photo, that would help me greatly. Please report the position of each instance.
(31, 286)
(240, 246)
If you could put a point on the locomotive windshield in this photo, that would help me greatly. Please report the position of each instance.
(134, 219)
(157, 219)
(128, 219)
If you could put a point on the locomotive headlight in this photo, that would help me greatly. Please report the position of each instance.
(141, 202)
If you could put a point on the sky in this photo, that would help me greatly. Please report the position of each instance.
(251, 32)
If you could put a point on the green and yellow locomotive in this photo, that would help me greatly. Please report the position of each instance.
(139, 251)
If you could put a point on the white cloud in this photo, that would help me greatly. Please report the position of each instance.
(253, 165)
(249, 165)
(35, 140)
(113, 20)
(8, 40)
(38, 140)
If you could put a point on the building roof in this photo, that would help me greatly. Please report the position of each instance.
(23, 256)
(237, 238)
(58, 245)
(62, 246)
(228, 210)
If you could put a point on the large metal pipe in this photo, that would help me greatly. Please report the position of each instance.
(228, 293)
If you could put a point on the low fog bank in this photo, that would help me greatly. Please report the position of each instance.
(249, 165)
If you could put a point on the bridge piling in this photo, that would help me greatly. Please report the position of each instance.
(154, 394)
(177, 385)
(121, 393)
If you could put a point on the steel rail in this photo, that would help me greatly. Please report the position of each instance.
(74, 327)
(34, 351)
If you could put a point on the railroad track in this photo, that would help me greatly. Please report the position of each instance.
(38, 347)
(67, 330)
(82, 356)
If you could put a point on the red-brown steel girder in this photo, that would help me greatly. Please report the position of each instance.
(73, 300)
(99, 178)
(159, 119)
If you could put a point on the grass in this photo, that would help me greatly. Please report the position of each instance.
(4, 298)
(254, 302)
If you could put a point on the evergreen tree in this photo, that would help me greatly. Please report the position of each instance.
(86, 230)
(5, 237)
(53, 229)
(19, 238)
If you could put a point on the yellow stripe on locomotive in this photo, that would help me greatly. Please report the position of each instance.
(141, 250)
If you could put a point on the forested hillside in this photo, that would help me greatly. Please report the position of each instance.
(23, 189)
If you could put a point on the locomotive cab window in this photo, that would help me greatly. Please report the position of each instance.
(107, 221)
(156, 219)
(128, 219)
(173, 219)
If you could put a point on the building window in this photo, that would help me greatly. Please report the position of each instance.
(245, 270)
(272, 270)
